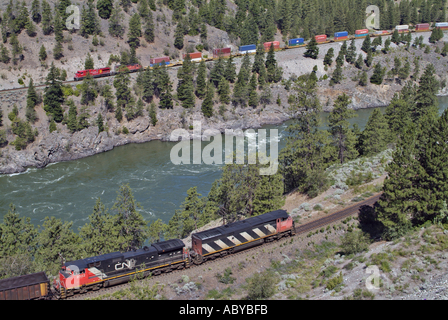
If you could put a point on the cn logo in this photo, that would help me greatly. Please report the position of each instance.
(130, 264)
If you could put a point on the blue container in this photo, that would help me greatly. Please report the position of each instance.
(361, 35)
(296, 42)
(340, 34)
(248, 47)
(160, 63)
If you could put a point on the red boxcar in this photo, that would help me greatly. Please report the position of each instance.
(267, 45)
(321, 38)
(422, 27)
(221, 52)
(194, 56)
(96, 73)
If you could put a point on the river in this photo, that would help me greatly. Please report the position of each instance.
(68, 190)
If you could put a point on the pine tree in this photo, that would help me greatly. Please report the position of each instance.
(185, 87)
(156, 231)
(230, 70)
(343, 138)
(274, 73)
(42, 54)
(259, 59)
(395, 37)
(72, 121)
(52, 126)
(398, 116)
(207, 104)
(4, 54)
(366, 45)
(201, 86)
(369, 59)
(116, 29)
(337, 75)
(35, 11)
(224, 91)
(122, 91)
(56, 241)
(375, 136)
(153, 114)
(302, 162)
(105, 8)
(312, 50)
(135, 31)
(378, 74)
(133, 228)
(53, 96)
(99, 235)
(217, 71)
(31, 101)
(395, 204)
(426, 100)
(179, 36)
(328, 57)
(148, 31)
(363, 80)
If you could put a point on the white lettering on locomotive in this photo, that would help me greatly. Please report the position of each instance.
(130, 264)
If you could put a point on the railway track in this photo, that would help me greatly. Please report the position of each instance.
(237, 54)
(300, 230)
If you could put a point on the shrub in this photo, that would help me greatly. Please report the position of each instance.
(354, 242)
(261, 285)
(335, 282)
(226, 278)
(125, 130)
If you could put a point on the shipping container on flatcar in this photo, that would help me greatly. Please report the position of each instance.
(250, 48)
(321, 38)
(267, 45)
(194, 56)
(422, 27)
(221, 52)
(295, 42)
(442, 25)
(26, 287)
(240, 235)
(361, 33)
(402, 28)
(340, 36)
(158, 61)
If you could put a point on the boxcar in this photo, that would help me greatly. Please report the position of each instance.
(240, 235)
(26, 287)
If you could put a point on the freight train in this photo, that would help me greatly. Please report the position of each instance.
(252, 48)
(109, 269)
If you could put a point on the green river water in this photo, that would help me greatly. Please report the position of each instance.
(68, 190)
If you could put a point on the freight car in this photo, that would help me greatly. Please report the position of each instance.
(26, 287)
(340, 36)
(361, 33)
(267, 45)
(240, 235)
(250, 48)
(117, 267)
(321, 38)
(296, 42)
(194, 56)
(221, 52)
(159, 61)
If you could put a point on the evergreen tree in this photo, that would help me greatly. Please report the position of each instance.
(363, 81)
(375, 136)
(274, 73)
(105, 8)
(426, 100)
(378, 74)
(88, 64)
(337, 75)
(148, 31)
(89, 20)
(230, 70)
(224, 91)
(328, 57)
(31, 101)
(185, 87)
(303, 160)
(201, 85)
(153, 114)
(99, 235)
(122, 91)
(366, 45)
(42, 54)
(395, 37)
(217, 71)
(100, 123)
(351, 52)
(53, 96)
(4, 54)
(259, 59)
(52, 126)
(133, 228)
(179, 36)
(207, 104)
(72, 122)
(312, 50)
(156, 230)
(56, 241)
(343, 137)
(116, 29)
(369, 59)
(35, 11)
(135, 31)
